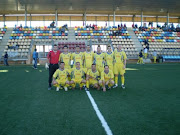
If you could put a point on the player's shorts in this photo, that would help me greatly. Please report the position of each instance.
(100, 69)
(92, 82)
(62, 81)
(119, 69)
(77, 81)
(145, 55)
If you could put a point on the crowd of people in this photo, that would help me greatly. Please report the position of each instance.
(165, 27)
(87, 69)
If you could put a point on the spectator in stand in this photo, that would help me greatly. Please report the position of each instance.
(133, 25)
(17, 46)
(52, 24)
(146, 42)
(136, 26)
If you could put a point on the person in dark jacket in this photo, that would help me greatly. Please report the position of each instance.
(6, 59)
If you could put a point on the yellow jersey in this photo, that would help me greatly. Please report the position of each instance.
(99, 59)
(109, 57)
(107, 76)
(119, 57)
(78, 74)
(93, 74)
(88, 59)
(77, 57)
(61, 74)
(66, 58)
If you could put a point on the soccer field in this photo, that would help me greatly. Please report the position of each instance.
(150, 104)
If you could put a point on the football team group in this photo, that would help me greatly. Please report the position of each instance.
(86, 69)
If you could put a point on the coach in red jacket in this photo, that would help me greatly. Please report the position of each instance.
(53, 59)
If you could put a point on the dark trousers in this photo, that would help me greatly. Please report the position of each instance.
(52, 69)
(6, 62)
(35, 63)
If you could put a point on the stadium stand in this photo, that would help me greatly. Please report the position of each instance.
(2, 32)
(39, 33)
(158, 40)
(72, 45)
(20, 40)
(116, 35)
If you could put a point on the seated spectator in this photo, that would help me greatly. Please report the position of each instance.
(10, 46)
(52, 24)
(136, 26)
(133, 25)
(17, 47)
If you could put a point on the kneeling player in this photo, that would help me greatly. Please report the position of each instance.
(92, 77)
(107, 77)
(78, 75)
(60, 77)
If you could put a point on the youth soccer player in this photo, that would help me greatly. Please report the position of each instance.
(99, 59)
(109, 57)
(88, 58)
(119, 66)
(92, 77)
(77, 57)
(107, 77)
(78, 75)
(60, 77)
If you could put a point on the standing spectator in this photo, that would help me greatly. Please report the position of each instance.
(154, 56)
(6, 59)
(35, 57)
(52, 60)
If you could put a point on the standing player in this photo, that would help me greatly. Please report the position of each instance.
(78, 75)
(77, 57)
(107, 77)
(92, 77)
(52, 60)
(109, 57)
(99, 59)
(60, 78)
(66, 58)
(88, 58)
(119, 66)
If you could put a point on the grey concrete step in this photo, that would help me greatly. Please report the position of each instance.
(135, 39)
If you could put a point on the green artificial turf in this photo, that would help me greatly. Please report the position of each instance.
(149, 104)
